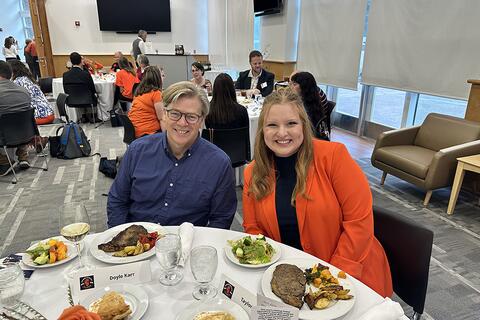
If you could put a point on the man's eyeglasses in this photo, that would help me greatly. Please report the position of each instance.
(176, 115)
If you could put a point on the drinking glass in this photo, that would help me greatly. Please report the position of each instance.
(169, 250)
(12, 284)
(204, 262)
(74, 226)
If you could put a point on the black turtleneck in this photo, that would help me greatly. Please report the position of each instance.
(286, 178)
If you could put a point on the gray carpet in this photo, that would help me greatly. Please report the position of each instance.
(29, 211)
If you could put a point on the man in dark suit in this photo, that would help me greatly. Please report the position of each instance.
(256, 79)
(78, 83)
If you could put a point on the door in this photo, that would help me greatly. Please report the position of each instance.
(42, 37)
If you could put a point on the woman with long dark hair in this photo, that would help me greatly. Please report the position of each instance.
(225, 111)
(146, 110)
(315, 102)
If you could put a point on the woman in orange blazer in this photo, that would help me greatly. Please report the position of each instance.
(311, 194)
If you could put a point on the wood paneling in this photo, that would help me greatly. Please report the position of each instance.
(281, 69)
(473, 106)
(42, 37)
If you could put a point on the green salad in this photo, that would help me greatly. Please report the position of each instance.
(252, 250)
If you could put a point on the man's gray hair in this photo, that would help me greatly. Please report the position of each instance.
(142, 59)
(185, 89)
(141, 32)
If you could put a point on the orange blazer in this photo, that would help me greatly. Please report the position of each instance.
(336, 224)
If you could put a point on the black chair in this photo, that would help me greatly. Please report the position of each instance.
(330, 106)
(408, 246)
(80, 96)
(128, 129)
(46, 84)
(234, 142)
(17, 129)
(61, 102)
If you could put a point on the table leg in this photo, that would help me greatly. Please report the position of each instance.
(457, 185)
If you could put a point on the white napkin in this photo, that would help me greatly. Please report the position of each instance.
(185, 231)
(387, 310)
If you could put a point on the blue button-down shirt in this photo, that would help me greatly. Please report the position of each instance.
(152, 185)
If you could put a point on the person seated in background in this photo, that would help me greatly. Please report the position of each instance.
(225, 112)
(13, 98)
(256, 80)
(91, 66)
(24, 78)
(315, 102)
(175, 176)
(142, 62)
(197, 72)
(124, 81)
(116, 56)
(311, 195)
(147, 110)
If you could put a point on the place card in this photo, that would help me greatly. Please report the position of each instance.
(85, 282)
(268, 309)
(238, 294)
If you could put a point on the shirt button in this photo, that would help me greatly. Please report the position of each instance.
(189, 154)
(171, 184)
(166, 204)
(176, 164)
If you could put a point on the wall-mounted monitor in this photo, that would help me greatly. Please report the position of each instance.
(264, 7)
(130, 16)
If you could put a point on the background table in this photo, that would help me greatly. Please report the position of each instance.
(470, 163)
(46, 291)
(105, 90)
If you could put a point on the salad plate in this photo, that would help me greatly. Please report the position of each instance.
(274, 258)
(71, 254)
(334, 311)
(217, 304)
(107, 235)
(133, 295)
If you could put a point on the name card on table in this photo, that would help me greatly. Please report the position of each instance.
(238, 294)
(84, 283)
(268, 309)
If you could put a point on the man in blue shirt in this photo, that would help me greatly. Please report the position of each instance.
(175, 176)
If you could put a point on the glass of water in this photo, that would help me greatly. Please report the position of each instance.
(12, 284)
(169, 250)
(204, 262)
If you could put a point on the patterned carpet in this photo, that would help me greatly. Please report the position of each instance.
(29, 211)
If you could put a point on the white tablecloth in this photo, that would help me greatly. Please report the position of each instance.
(105, 90)
(46, 290)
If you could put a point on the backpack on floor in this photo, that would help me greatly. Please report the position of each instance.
(72, 143)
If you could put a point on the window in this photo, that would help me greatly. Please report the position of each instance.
(257, 24)
(387, 107)
(26, 19)
(428, 104)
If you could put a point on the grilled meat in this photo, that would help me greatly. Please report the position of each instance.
(288, 283)
(127, 237)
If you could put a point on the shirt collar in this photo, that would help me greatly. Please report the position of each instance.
(250, 74)
(193, 148)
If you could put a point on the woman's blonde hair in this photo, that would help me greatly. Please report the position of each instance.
(263, 177)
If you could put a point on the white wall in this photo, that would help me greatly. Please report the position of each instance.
(188, 19)
(279, 33)
(11, 23)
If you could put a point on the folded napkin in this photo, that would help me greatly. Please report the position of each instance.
(185, 231)
(387, 310)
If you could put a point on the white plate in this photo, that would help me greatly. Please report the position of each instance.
(336, 310)
(214, 304)
(108, 235)
(234, 259)
(71, 254)
(134, 296)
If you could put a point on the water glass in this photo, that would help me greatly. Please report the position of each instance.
(204, 262)
(12, 284)
(169, 250)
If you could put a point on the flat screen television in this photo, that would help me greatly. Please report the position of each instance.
(264, 7)
(130, 16)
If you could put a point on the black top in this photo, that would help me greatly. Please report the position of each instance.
(286, 214)
(240, 119)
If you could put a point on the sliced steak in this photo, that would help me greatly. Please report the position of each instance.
(288, 283)
(127, 237)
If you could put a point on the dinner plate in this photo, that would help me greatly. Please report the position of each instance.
(336, 310)
(234, 259)
(134, 296)
(108, 235)
(214, 304)
(71, 254)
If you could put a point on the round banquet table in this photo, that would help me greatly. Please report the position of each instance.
(46, 291)
(105, 87)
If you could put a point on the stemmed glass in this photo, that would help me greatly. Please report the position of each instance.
(75, 225)
(169, 250)
(204, 262)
